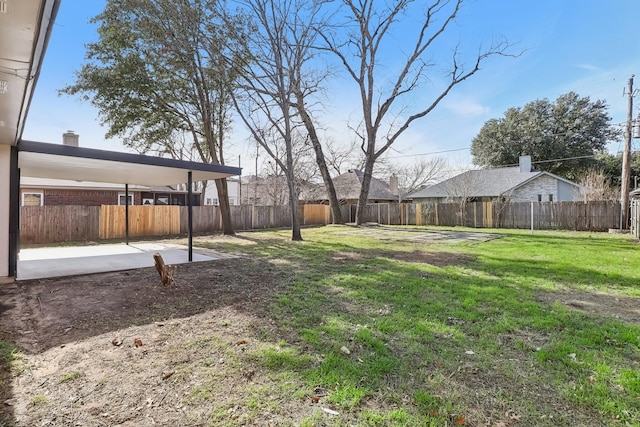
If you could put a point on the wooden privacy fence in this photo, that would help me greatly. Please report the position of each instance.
(54, 224)
(381, 213)
(51, 224)
(578, 216)
(143, 221)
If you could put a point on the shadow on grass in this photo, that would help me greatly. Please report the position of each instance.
(8, 357)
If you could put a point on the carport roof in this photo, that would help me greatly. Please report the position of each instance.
(43, 160)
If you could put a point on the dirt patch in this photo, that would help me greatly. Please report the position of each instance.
(438, 259)
(625, 308)
(72, 373)
(422, 235)
(45, 313)
(193, 371)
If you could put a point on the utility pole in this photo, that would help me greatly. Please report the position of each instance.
(626, 162)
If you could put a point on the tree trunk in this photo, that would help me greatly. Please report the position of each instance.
(320, 160)
(225, 207)
(364, 191)
(296, 235)
(167, 272)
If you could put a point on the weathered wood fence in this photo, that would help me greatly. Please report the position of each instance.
(51, 224)
(578, 216)
(635, 218)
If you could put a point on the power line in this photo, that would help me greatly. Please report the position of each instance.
(429, 154)
(549, 161)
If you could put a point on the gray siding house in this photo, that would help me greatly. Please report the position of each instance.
(518, 184)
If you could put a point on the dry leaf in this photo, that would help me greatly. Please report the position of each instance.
(460, 420)
(167, 374)
(241, 342)
(434, 413)
(137, 342)
(330, 411)
(315, 399)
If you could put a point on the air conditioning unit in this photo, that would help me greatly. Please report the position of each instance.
(147, 201)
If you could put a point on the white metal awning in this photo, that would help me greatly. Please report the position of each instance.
(42, 160)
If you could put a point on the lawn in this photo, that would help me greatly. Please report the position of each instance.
(474, 336)
(517, 330)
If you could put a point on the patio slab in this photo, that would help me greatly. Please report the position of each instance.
(40, 263)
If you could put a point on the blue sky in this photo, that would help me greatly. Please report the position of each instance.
(587, 46)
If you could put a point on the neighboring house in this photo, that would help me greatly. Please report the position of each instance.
(265, 191)
(517, 184)
(58, 192)
(348, 187)
(211, 192)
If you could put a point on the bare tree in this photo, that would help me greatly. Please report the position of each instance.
(386, 112)
(417, 175)
(596, 185)
(266, 103)
(463, 189)
(304, 167)
(340, 157)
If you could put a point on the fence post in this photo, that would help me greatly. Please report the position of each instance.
(272, 216)
(531, 217)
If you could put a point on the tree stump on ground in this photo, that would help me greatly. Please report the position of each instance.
(167, 272)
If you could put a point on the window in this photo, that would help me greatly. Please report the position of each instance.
(539, 197)
(214, 201)
(551, 197)
(209, 202)
(32, 199)
(232, 200)
(123, 197)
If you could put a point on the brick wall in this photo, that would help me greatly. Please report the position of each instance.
(544, 185)
(80, 197)
(65, 197)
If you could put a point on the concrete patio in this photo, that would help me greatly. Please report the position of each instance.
(39, 263)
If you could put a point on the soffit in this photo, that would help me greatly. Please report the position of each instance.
(24, 29)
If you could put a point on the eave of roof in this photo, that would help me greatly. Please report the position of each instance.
(42, 160)
(25, 29)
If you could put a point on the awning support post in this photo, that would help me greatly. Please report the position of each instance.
(190, 213)
(126, 214)
(14, 212)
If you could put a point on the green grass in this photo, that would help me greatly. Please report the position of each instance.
(72, 376)
(38, 400)
(478, 338)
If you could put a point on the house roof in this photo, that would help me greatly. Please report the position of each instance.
(348, 186)
(483, 183)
